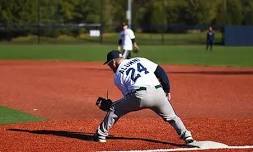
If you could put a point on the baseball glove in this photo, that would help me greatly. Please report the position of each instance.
(104, 104)
(136, 49)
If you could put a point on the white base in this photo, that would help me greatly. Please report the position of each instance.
(207, 145)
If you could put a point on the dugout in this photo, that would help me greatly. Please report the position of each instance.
(238, 35)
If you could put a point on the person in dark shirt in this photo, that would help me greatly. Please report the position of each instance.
(210, 38)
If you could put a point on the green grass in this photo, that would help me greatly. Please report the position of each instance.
(175, 39)
(166, 54)
(197, 55)
(54, 52)
(8, 116)
(111, 38)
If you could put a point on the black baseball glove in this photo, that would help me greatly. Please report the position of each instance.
(104, 104)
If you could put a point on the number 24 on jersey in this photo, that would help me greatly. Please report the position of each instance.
(136, 72)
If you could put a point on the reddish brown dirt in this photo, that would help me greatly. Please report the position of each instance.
(216, 103)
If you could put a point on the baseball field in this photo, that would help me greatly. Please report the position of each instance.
(48, 95)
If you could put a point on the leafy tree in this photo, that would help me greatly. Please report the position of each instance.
(192, 12)
(247, 12)
(79, 11)
(17, 11)
(46, 11)
(234, 12)
(147, 15)
(119, 13)
(159, 15)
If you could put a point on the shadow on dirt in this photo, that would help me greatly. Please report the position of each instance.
(89, 136)
(68, 134)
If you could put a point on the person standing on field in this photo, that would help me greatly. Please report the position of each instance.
(127, 42)
(210, 39)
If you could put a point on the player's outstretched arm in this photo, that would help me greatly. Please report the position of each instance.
(163, 78)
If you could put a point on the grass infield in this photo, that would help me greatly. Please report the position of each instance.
(8, 116)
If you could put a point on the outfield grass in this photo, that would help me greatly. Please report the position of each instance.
(54, 52)
(166, 38)
(8, 116)
(197, 55)
(196, 38)
(166, 54)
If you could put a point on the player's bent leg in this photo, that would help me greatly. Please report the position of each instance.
(181, 130)
(103, 129)
(178, 125)
(170, 117)
(126, 54)
(117, 110)
(129, 55)
(165, 110)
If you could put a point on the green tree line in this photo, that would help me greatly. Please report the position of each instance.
(145, 13)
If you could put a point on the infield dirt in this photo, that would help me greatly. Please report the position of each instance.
(216, 103)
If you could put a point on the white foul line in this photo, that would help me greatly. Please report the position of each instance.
(186, 149)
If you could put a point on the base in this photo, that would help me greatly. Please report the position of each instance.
(207, 145)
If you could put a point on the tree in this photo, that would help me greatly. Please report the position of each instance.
(80, 11)
(247, 12)
(17, 12)
(234, 12)
(192, 12)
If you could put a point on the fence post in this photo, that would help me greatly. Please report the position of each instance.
(38, 21)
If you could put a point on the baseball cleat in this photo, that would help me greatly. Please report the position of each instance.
(99, 139)
(189, 140)
(187, 137)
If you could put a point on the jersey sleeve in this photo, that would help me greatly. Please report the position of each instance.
(131, 34)
(163, 78)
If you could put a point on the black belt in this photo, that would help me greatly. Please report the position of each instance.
(158, 86)
(144, 88)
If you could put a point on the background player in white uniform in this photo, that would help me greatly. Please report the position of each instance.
(138, 80)
(127, 41)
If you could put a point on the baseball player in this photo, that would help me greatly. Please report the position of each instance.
(126, 42)
(144, 84)
(210, 38)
